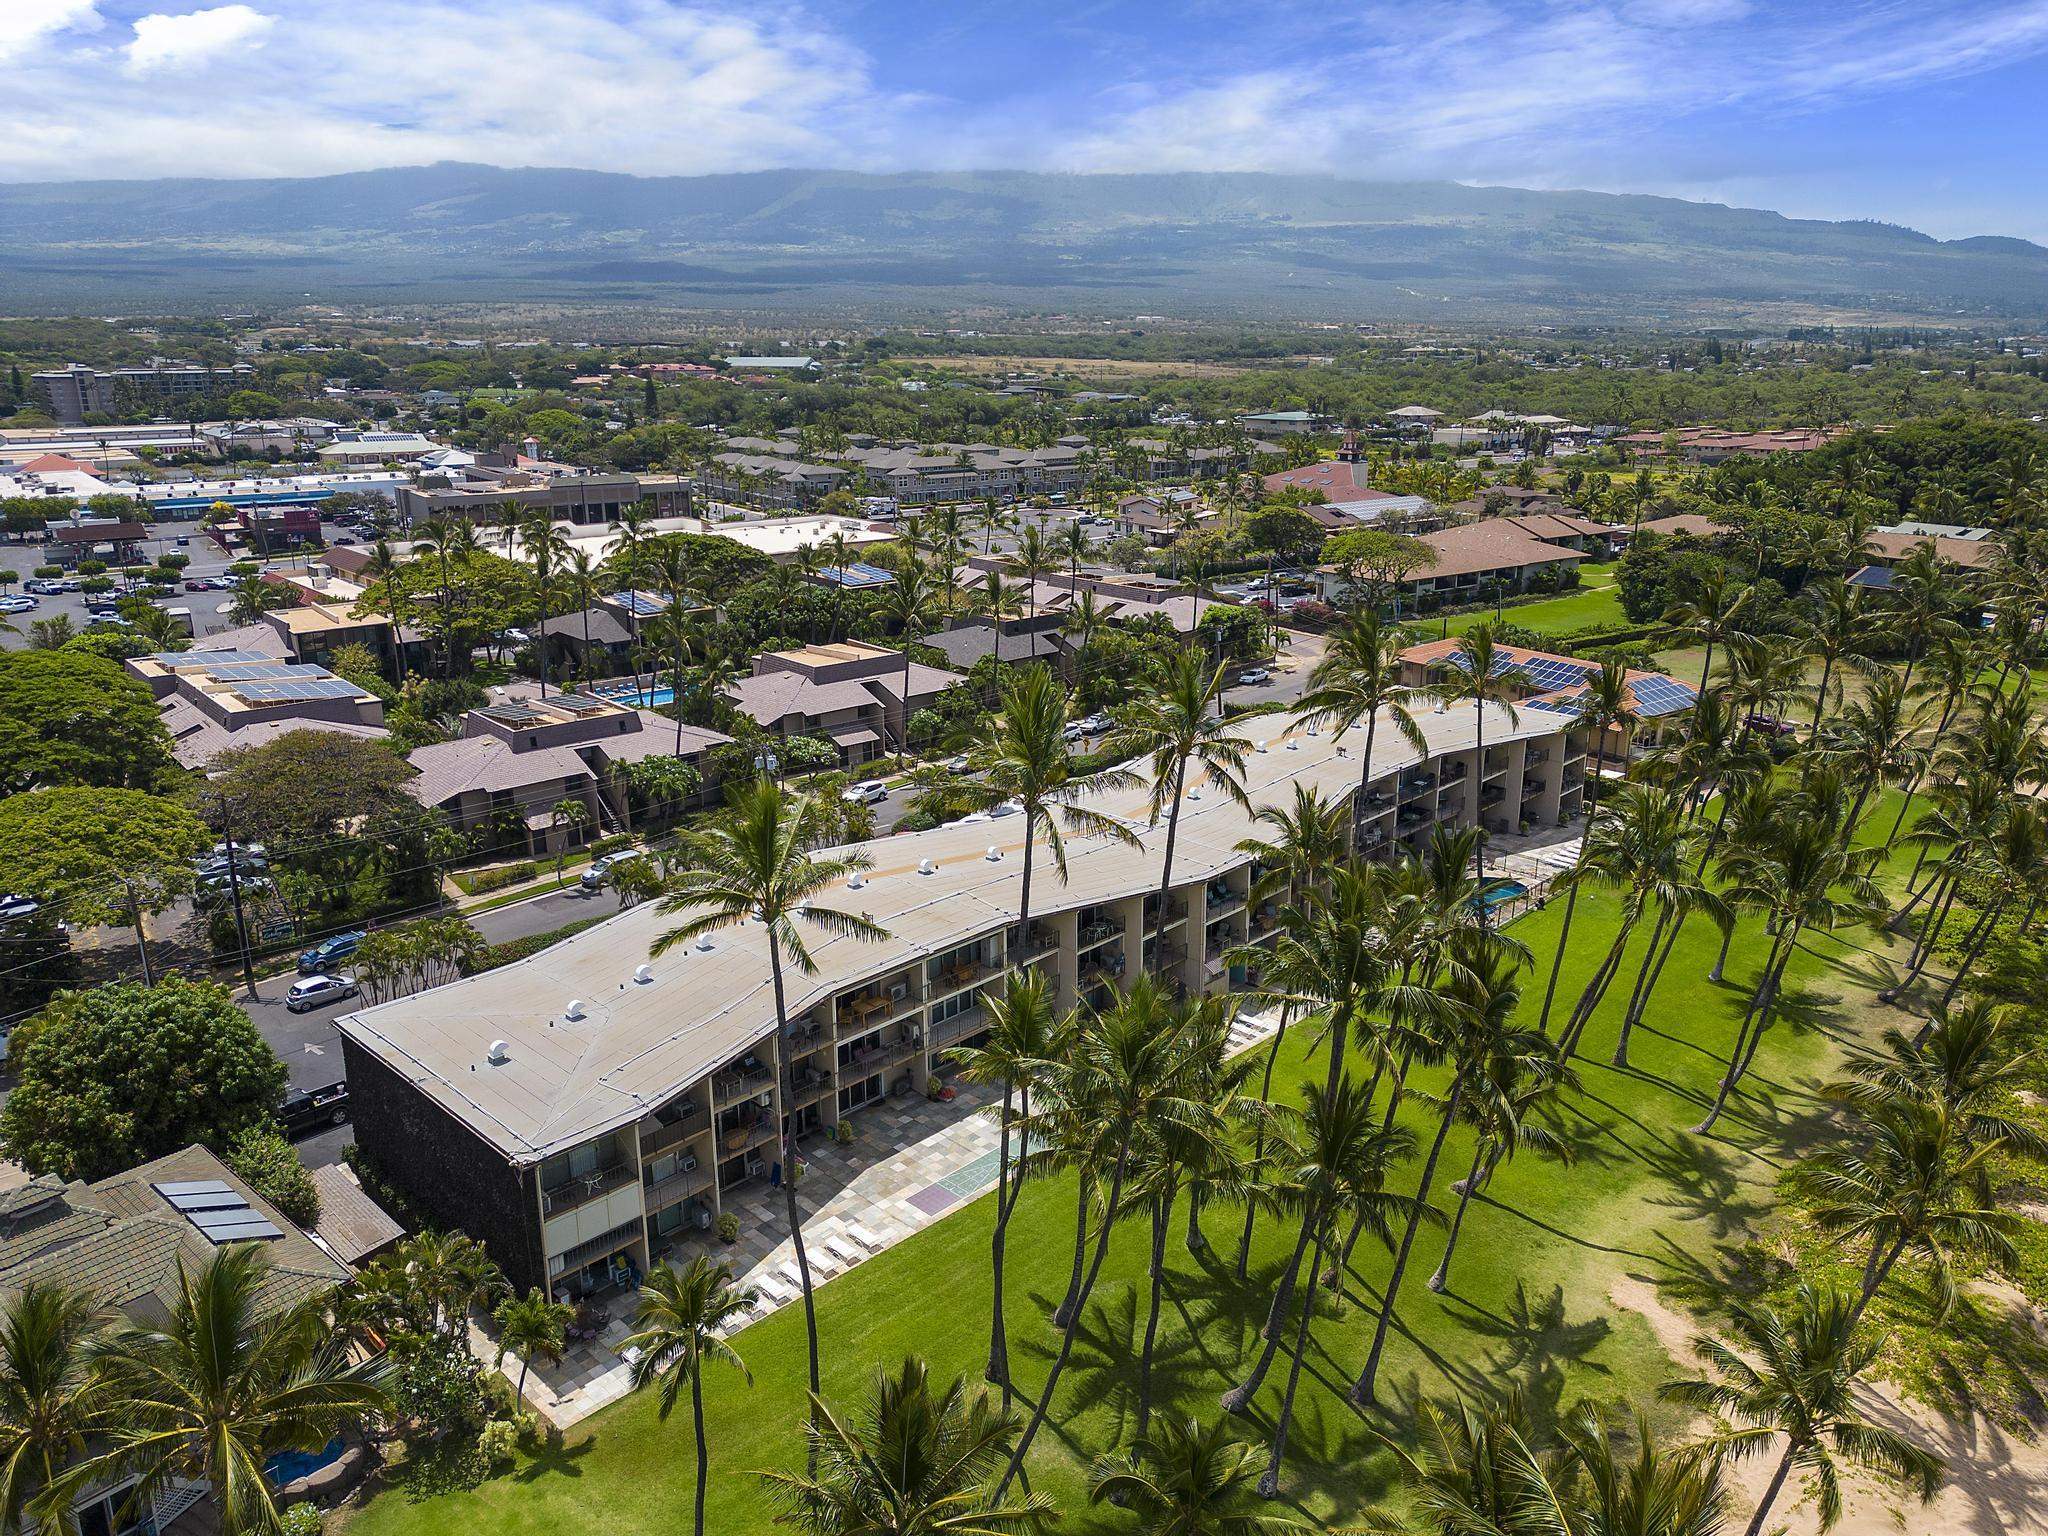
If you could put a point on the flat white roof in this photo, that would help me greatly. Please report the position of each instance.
(639, 1044)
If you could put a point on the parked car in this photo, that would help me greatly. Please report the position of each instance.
(594, 877)
(958, 764)
(319, 991)
(106, 621)
(866, 792)
(13, 908)
(1251, 677)
(18, 604)
(314, 1110)
(43, 584)
(328, 952)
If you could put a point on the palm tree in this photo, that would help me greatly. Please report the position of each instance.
(1309, 841)
(1912, 1182)
(1872, 739)
(1486, 675)
(1796, 1381)
(1171, 725)
(1017, 1053)
(1480, 1474)
(627, 553)
(1838, 631)
(548, 548)
(1334, 1155)
(910, 602)
(50, 1388)
(220, 1387)
(1800, 878)
(580, 575)
(1925, 601)
(914, 1462)
(1072, 542)
(1183, 1479)
(676, 1329)
(1605, 703)
(1640, 850)
(990, 519)
(676, 570)
(1654, 1492)
(1357, 679)
(1482, 991)
(1122, 1068)
(1710, 615)
(754, 863)
(1964, 1061)
(532, 1325)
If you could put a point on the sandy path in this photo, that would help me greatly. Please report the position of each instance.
(1996, 1485)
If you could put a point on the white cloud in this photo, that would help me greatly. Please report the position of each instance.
(31, 23)
(179, 42)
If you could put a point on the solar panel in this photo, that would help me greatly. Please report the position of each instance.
(1663, 695)
(226, 1200)
(284, 692)
(642, 604)
(191, 1187)
(236, 1226)
(208, 658)
(259, 671)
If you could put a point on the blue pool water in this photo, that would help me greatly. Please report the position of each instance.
(1502, 892)
(290, 1466)
(646, 698)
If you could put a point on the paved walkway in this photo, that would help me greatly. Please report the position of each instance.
(912, 1162)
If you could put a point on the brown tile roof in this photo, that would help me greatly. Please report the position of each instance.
(351, 1224)
(449, 768)
(1972, 554)
(1492, 545)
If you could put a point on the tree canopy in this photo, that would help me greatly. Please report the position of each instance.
(115, 1076)
(103, 852)
(68, 717)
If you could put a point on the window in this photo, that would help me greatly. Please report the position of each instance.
(954, 1006)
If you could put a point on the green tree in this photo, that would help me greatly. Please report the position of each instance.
(533, 1327)
(124, 1073)
(1486, 675)
(51, 1390)
(68, 718)
(266, 1162)
(220, 1387)
(754, 864)
(1185, 1479)
(678, 1327)
(1792, 1378)
(108, 855)
(1356, 680)
(914, 1462)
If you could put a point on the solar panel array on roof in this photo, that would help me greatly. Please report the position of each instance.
(267, 670)
(1545, 673)
(641, 604)
(1662, 695)
(511, 714)
(208, 658)
(283, 692)
(218, 1211)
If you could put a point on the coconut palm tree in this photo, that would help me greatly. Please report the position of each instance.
(382, 574)
(1082, 622)
(1791, 1379)
(1486, 675)
(1333, 1156)
(50, 1390)
(548, 548)
(1479, 1473)
(911, 603)
(678, 1327)
(1838, 631)
(675, 569)
(579, 576)
(1653, 1492)
(1800, 877)
(1171, 725)
(1640, 850)
(1964, 1060)
(220, 1387)
(1872, 739)
(1017, 1052)
(913, 1462)
(1309, 840)
(1605, 703)
(1123, 1069)
(1925, 600)
(1482, 990)
(626, 552)
(532, 1325)
(754, 864)
(1712, 615)
(1023, 757)
(1356, 680)
(1912, 1181)
(1184, 1479)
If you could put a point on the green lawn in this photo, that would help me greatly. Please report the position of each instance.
(1596, 604)
(1527, 1307)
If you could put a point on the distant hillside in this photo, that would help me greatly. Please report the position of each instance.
(1226, 244)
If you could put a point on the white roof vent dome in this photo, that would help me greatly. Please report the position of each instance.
(498, 1054)
(643, 974)
(574, 1010)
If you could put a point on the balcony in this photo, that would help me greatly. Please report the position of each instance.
(657, 1136)
(807, 1085)
(1100, 932)
(1447, 810)
(1455, 773)
(745, 1136)
(866, 1009)
(677, 1186)
(872, 1056)
(1411, 816)
(804, 1037)
(1035, 944)
(1535, 755)
(581, 1189)
(952, 1031)
(1531, 786)
(742, 1082)
(958, 978)
(1492, 795)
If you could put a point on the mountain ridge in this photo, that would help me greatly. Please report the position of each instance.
(1253, 243)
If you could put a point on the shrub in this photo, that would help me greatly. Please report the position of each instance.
(267, 1162)
(301, 1520)
(728, 1227)
(497, 879)
(611, 844)
(495, 955)
(499, 1441)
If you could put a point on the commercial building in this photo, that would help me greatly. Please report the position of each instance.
(179, 498)
(584, 497)
(589, 1109)
(77, 391)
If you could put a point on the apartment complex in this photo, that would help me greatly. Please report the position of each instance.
(589, 1110)
(210, 700)
(77, 391)
(585, 497)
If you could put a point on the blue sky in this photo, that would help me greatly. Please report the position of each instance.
(1930, 114)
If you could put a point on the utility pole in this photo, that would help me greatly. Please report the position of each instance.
(227, 816)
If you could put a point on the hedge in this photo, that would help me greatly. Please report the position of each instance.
(497, 879)
(495, 955)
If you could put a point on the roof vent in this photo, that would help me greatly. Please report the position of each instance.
(643, 974)
(498, 1054)
(927, 867)
(575, 1009)
(1294, 746)
(856, 881)
(994, 853)
(1314, 731)
(1258, 746)
(1343, 751)
(704, 945)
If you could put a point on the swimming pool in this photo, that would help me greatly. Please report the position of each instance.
(645, 698)
(289, 1466)
(1500, 893)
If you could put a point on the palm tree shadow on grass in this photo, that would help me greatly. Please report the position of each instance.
(1537, 1342)
(1559, 1232)
(1707, 1282)
(556, 1457)
(1702, 1184)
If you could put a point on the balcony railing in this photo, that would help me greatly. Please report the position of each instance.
(582, 1188)
(951, 1031)
(806, 1086)
(957, 978)
(1100, 932)
(742, 1138)
(658, 1136)
(1037, 942)
(741, 1083)
(677, 1186)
